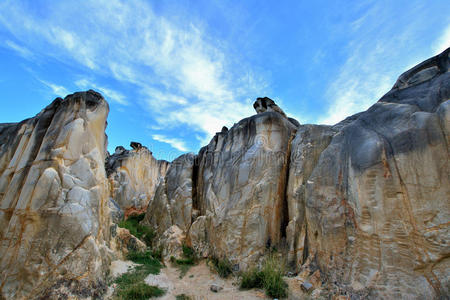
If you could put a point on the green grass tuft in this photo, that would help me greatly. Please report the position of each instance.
(270, 277)
(222, 266)
(139, 291)
(183, 297)
(252, 279)
(184, 264)
(144, 233)
(131, 285)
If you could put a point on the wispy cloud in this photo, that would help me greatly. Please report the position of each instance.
(183, 76)
(57, 90)
(375, 57)
(108, 93)
(174, 142)
(21, 50)
(443, 42)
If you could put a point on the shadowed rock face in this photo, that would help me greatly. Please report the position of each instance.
(54, 222)
(134, 176)
(375, 205)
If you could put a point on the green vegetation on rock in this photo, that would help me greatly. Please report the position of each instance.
(144, 233)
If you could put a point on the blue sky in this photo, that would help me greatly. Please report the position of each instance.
(175, 72)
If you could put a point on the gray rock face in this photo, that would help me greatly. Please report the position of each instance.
(376, 203)
(134, 176)
(54, 217)
(172, 204)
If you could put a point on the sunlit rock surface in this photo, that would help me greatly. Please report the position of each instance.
(133, 176)
(241, 185)
(54, 220)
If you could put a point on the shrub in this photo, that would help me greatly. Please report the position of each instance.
(222, 266)
(252, 279)
(182, 297)
(270, 277)
(139, 291)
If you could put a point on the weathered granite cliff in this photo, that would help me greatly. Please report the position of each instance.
(362, 205)
(376, 205)
(54, 218)
(360, 208)
(133, 176)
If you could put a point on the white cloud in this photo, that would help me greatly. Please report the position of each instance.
(57, 90)
(22, 51)
(183, 76)
(375, 58)
(174, 142)
(443, 42)
(108, 93)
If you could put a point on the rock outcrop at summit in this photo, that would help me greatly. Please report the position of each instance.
(54, 218)
(133, 176)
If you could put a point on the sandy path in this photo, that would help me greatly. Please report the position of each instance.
(197, 282)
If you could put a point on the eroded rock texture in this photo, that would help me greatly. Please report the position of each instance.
(134, 175)
(241, 187)
(361, 207)
(233, 191)
(171, 211)
(376, 203)
(54, 220)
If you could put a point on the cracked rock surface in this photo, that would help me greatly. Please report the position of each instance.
(54, 221)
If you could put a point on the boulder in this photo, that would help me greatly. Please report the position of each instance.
(376, 207)
(171, 243)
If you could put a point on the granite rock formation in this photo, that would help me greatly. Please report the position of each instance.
(172, 204)
(54, 217)
(359, 209)
(361, 206)
(376, 205)
(133, 176)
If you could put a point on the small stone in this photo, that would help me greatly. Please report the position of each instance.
(290, 274)
(306, 286)
(215, 288)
